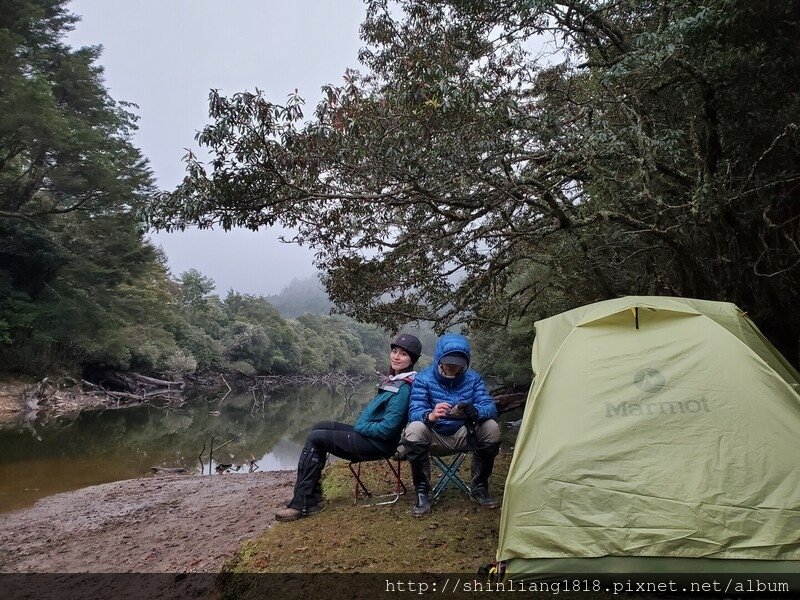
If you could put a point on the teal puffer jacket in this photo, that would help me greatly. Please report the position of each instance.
(383, 419)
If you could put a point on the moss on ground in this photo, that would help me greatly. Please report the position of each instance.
(457, 537)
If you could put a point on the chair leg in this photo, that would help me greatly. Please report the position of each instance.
(359, 484)
(399, 486)
(449, 475)
(362, 491)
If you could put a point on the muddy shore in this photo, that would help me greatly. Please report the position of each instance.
(12, 404)
(173, 524)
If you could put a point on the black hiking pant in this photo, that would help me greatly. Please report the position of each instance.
(328, 437)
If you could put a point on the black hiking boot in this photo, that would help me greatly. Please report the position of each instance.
(482, 496)
(421, 476)
(482, 465)
(423, 504)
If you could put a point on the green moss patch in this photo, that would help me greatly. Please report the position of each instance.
(457, 537)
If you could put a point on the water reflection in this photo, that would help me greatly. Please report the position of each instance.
(102, 446)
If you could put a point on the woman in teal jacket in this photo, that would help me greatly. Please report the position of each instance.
(375, 434)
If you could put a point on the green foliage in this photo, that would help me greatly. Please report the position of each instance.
(246, 335)
(63, 140)
(327, 344)
(180, 363)
(194, 288)
(469, 175)
(303, 297)
(505, 354)
(79, 284)
(206, 350)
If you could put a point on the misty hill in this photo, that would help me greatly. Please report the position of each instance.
(300, 297)
(308, 297)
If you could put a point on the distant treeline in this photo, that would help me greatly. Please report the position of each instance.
(148, 322)
(300, 297)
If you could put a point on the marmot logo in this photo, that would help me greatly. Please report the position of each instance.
(649, 381)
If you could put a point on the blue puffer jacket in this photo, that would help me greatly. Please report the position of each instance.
(430, 388)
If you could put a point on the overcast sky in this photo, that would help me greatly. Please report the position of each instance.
(165, 55)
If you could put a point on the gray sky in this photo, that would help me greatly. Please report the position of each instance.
(165, 55)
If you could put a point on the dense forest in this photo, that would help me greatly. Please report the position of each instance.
(495, 162)
(80, 285)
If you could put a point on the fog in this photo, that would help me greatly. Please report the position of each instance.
(166, 56)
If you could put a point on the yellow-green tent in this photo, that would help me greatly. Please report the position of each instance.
(659, 434)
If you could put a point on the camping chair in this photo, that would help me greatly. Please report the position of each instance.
(449, 474)
(361, 491)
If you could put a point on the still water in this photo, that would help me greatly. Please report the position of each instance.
(67, 453)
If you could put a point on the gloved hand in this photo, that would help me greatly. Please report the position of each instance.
(470, 414)
(466, 411)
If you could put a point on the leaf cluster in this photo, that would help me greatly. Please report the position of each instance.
(498, 161)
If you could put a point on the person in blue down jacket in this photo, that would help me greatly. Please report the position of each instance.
(451, 410)
(375, 434)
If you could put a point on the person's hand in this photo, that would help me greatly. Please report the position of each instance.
(464, 410)
(471, 412)
(439, 411)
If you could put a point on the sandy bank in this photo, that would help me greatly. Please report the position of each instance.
(157, 524)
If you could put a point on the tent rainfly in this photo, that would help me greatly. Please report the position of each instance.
(660, 435)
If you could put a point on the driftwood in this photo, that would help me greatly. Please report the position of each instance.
(509, 397)
(64, 394)
(144, 379)
(508, 402)
(220, 467)
(168, 470)
(122, 388)
(200, 457)
(36, 395)
(230, 389)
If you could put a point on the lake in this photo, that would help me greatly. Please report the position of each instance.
(71, 452)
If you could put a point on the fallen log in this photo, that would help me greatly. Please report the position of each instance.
(168, 470)
(152, 380)
(127, 387)
(91, 385)
(508, 402)
(161, 392)
(127, 395)
(508, 397)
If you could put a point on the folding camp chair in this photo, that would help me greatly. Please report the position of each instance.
(361, 491)
(449, 474)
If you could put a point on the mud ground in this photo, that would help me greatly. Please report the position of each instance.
(11, 403)
(173, 524)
